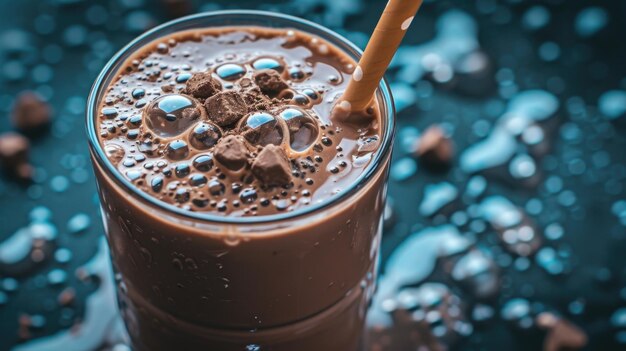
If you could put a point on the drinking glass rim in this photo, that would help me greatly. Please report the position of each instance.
(112, 67)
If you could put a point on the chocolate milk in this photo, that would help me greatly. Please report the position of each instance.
(234, 124)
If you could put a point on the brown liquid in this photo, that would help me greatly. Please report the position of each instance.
(301, 283)
(324, 160)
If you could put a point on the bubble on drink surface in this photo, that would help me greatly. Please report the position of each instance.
(367, 144)
(261, 128)
(182, 195)
(170, 115)
(177, 150)
(109, 112)
(156, 184)
(230, 71)
(203, 163)
(300, 99)
(216, 187)
(248, 195)
(268, 63)
(134, 121)
(138, 93)
(296, 74)
(303, 129)
(115, 153)
(205, 135)
(133, 174)
(312, 94)
(183, 77)
(200, 202)
(197, 179)
(182, 170)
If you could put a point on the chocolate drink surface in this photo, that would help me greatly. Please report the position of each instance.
(234, 122)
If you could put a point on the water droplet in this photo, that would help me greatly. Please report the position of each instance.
(548, 259)
(403, 169)
(40, 214)
(522, 166)
(477, 272)
(618, 319)
(591, 20)
(613, 103)
(57, 277)
(436, 197)
(78, 223)
(536, 17)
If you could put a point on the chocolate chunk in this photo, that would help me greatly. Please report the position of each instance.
(435, 149)
(271, 166)
(231, 152)
(255, 100)
(14, 150)
(202, 85)
(269, 82)
(226, 108)
(30, 113)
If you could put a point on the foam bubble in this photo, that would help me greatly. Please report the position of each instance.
(170, 115)
(261, 128)
(204, 135)
(303, 130)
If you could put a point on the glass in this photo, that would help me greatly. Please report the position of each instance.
(196, 281)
